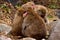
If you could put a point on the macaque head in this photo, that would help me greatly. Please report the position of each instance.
(51, 16)
(26, 6)
(47, 14)
(29, 4)
(42, 11)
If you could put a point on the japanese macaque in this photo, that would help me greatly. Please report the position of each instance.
(42, 11)
(17, 23)
(33, 25)
(47, 14)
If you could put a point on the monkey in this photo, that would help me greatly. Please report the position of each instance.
(33, 25)
(17, 23)
(43, 11)
(49, 15)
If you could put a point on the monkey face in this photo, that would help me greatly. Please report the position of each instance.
(51, 16)
(42, 11)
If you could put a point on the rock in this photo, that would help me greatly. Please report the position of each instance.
(5, 28)
(33, 25)
(55, 31)
(4, 38)
(57, 12)
(28, 38)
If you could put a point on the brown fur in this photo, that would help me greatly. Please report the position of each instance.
(33, 25)
(42, 11)
(17, 23)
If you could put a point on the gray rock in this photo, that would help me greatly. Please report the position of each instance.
(4, 38)
(57, 12)
(5, 28)
(55, 31)
(28, 38)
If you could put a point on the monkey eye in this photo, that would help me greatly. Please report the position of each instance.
(54, 20)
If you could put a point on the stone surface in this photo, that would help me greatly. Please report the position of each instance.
(57, 12)
(55, 32)
(28, 38)
(4, 38)
(5, 28)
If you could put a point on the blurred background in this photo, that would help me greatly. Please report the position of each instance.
(55, 4)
